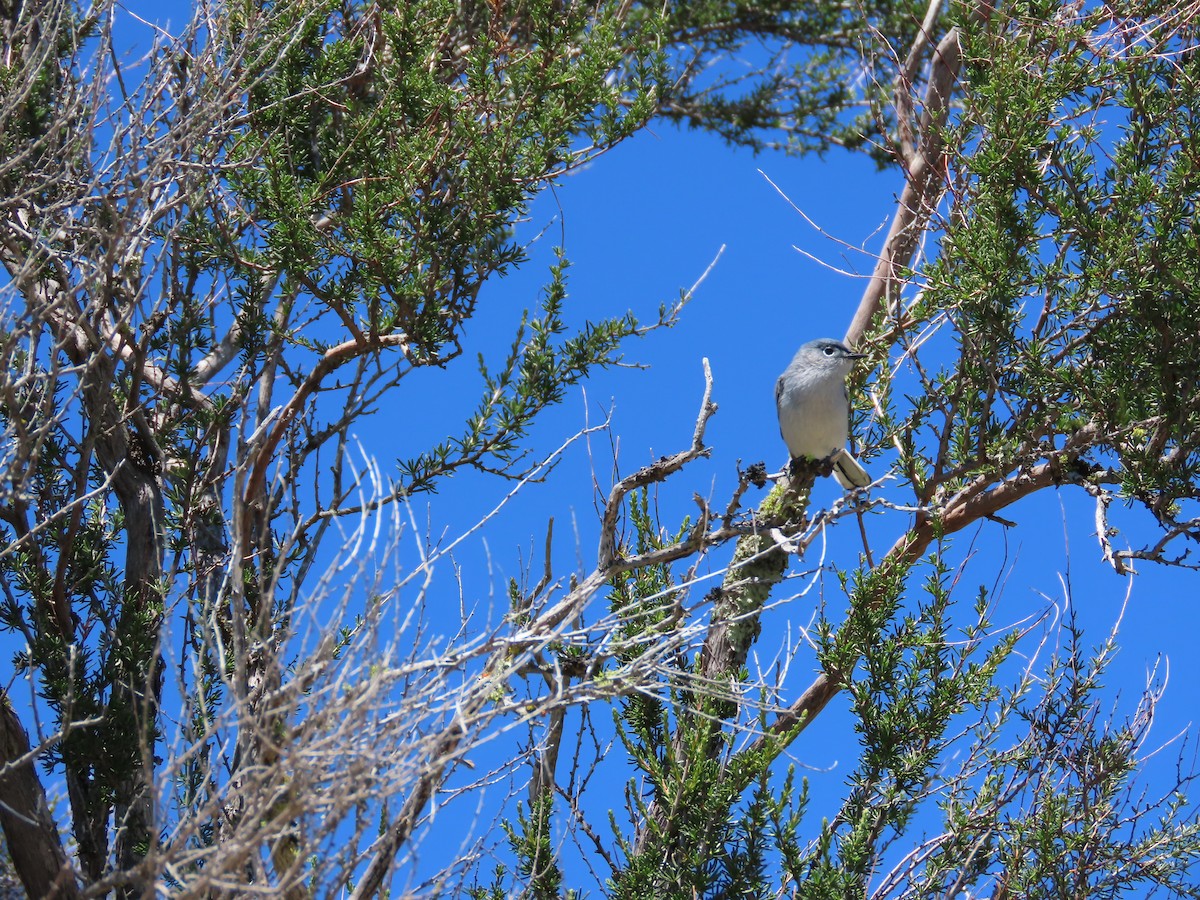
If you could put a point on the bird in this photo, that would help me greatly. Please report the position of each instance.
(814, 408)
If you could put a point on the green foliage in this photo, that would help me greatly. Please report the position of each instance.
(1059, 812)
(909, 682)
(307, 206)
(33, 85)
(642, 600)
(57, 569)
(388, 174)
(808, 94)
(86, 647)
(1068, 266)
(535, 374)
(644, 597)
(497, 890)
(699, 833)
(530, 841)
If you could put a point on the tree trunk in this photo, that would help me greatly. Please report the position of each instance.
(37, 853)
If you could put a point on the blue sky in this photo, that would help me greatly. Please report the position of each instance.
(640, 224)
(645, 221)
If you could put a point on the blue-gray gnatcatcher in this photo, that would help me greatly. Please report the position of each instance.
(814, 409)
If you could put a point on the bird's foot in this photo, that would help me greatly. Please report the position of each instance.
(803, 467)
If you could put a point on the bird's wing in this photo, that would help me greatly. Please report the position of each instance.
(778, 407)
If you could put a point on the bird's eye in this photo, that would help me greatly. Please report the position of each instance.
(829, 351)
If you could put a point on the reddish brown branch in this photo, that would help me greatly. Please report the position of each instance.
(332, 359)
(924, 178)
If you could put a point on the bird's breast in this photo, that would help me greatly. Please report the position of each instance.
(813, 422)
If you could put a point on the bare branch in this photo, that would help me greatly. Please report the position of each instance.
(924, 179)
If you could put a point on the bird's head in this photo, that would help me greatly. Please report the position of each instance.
(826, 354)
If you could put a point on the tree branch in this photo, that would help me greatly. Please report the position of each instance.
(924, 178)
(37, 853)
